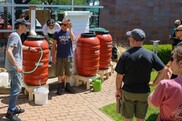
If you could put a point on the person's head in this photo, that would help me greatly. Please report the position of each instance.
(64, 24)
(22, 15)
(179, 32)
(177, 23)
(21, 25)
(176, 60)
(136, 37)
(50, 23)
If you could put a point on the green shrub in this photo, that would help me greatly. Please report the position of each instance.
(164, 51)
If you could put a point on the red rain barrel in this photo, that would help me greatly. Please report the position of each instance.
(105, 47)
(30, 60)
(87, 54)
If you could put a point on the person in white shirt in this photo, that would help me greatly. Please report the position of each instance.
(49, 29)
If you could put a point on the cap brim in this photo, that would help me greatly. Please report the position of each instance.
(128, 33)
(27, 23)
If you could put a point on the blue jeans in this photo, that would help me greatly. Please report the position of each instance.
(15, 89)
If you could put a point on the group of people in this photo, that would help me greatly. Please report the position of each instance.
(133, 71)
(133, 80)
(62, 53)
(175, 37)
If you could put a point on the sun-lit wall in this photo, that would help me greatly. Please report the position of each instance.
(155, 17)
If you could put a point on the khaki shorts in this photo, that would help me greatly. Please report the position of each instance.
(134, 104)
(64, 66)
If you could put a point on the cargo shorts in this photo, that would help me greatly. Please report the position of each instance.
(134, 104)
(64, 66)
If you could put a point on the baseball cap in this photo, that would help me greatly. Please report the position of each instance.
(21, 21)
(137, 34)
(50, 22)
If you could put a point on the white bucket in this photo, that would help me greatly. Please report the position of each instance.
(41, 95)
(4, 77)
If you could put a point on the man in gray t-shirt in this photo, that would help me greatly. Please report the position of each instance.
(13, 64)
(15, 42)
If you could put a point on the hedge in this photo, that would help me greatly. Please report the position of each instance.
(164, 51)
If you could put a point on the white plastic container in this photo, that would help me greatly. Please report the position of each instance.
(80, 21)
(41, 95)
(4, 77)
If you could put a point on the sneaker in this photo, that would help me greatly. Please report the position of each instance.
(18, 110)
(12, 117)
(69, 89)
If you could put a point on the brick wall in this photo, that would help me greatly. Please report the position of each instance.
(155, 17)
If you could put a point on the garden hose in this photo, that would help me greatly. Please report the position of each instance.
(41, 54)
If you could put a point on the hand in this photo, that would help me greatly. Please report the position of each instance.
(19, 70)
(118, 94)
(69, 25)
(168, 73)
(33, 49)
(151, 84)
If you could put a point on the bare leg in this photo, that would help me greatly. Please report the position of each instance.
(67, 79)
(60, 79)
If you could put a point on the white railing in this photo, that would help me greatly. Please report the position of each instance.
(39, 6)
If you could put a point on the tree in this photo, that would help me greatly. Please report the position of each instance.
(21, 1)
(59, 2)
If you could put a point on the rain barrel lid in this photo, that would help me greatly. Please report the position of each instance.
(91, 34)
(99, 30)
(38, 37)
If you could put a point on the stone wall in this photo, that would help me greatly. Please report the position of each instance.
(155, 17)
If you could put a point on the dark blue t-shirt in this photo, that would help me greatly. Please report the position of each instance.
(136, 65)
(64, 44)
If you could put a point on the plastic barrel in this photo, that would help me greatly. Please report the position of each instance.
(105, 47)
(30, 60)
(87, 54)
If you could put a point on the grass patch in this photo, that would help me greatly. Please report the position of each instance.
(152, 112)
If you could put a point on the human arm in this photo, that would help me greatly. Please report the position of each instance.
(159, 95)
(44, 29)
(12, 59)
(165, 73)
(149, 100)
(29, 48)
(119, 80)
(53, 51)
(72, 36)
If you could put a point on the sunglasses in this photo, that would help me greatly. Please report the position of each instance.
(178, 30)
(64, 24)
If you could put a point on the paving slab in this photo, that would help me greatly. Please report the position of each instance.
(82, 106)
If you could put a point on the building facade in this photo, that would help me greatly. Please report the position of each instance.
(155, 17)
